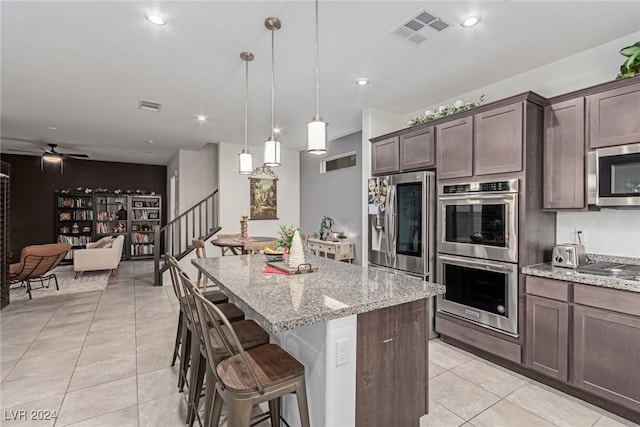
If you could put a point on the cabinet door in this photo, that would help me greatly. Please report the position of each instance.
(498, 140)
(613, 117)
(564, 155)
(417, 150)
(385, 156)
(455, 148)
(391, 366)
(547, 337)
(607, 355)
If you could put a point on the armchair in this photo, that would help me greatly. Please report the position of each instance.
(35, 262)
(91, 259)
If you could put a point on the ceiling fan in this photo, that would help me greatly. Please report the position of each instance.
(50, 154)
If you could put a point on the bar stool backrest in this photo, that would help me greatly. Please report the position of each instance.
(212, 315)
(198, 245)
(174, 268)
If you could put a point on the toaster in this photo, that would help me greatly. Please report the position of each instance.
(568, 255)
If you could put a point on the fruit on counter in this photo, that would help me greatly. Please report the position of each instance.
(269, 250)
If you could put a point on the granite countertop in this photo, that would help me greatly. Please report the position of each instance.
(279, 302)
(570, 275)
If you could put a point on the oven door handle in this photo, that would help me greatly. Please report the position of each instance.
(487, 265)
(479, 199)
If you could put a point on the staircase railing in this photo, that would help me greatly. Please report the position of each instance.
(198, 222)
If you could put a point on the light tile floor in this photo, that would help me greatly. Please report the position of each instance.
(103, 359)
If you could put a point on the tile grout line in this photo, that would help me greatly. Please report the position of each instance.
(135, 333)
(76, 365)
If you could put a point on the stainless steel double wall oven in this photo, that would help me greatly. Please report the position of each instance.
(477, 244)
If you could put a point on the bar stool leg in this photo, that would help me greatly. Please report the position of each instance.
(216, 412)
(197, 388)
(303, 408)
(193, 377)
(274, 411)
(176, 347)
(239, 413)
(185, 354)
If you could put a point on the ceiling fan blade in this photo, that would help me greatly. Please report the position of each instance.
(21, 151)
(83, 156)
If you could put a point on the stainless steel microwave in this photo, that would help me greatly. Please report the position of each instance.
(618, 176)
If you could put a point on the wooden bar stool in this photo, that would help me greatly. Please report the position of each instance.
(248, 378)
(183, 335)
(250, 335)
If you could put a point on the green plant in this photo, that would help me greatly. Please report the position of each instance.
(285, 235)
(631, 66)
(341, 235)
(446, 110)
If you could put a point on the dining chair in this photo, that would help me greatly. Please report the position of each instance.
(249, 377)
(227, 236)
(250, 335)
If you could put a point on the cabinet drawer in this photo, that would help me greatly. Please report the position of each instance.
(609, 299)
(548, 288)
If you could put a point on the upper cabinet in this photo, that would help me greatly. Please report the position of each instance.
(385, 156)
(417, 150)
(613, 117)
(410, 151)
(455, 148)
(564, 155)
(498, 140)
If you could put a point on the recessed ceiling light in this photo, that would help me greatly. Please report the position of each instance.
(150, 141)
(52, 128)
(470, 21)
(362, 81)
(155, 19)
(201, 117)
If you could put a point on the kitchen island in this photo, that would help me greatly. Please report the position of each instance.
(360, 332)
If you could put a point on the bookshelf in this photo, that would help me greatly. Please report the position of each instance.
(82, 218)
(74, 220)
(111, 218)
(145, 214)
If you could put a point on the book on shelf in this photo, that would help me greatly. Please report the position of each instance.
(75, 240)
(137, 249)
(142, 238)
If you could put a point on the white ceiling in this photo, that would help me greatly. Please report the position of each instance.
(82, 66)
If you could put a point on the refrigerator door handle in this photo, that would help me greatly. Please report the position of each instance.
(391, 227)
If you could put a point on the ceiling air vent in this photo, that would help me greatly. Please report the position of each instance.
(149, 106)
(420, 27)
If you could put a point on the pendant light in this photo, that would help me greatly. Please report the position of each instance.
(272, 145)
(245, 158)
(317, 127)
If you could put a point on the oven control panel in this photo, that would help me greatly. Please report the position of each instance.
(510, 185)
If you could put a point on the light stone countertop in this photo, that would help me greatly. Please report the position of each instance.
(280, 302)
(570, 275)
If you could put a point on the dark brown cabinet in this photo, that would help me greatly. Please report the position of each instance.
(417, 150)
(547, 337)
(613, 117)
(385, 156)
(391, 355)
(455, 148)
(498, 140)
(607, 355)
(564, 156)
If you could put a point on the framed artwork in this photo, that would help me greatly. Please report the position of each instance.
(65, 216)
(263, 198)
(154, 215)
(137, 204)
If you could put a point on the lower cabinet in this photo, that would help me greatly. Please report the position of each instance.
(391, 367)
(547, 337)
(606, 355)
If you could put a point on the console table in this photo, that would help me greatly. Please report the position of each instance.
(340, 251)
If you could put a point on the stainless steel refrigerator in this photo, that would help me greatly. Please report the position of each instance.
(401, 222)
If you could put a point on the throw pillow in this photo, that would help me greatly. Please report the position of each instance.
(102, 243)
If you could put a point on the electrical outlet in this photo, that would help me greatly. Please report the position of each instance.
(342, 352)
(580, 235)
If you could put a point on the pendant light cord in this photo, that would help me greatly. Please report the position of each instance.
(317, 69)
(246, 104)
(273, 90)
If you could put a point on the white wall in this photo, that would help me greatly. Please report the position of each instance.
(375, 122)
(611, 232)
(197, 176)
(234, 191)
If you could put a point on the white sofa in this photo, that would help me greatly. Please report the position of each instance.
(91, 259)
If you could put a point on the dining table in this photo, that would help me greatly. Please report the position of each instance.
(361, 333)
(236, 244)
